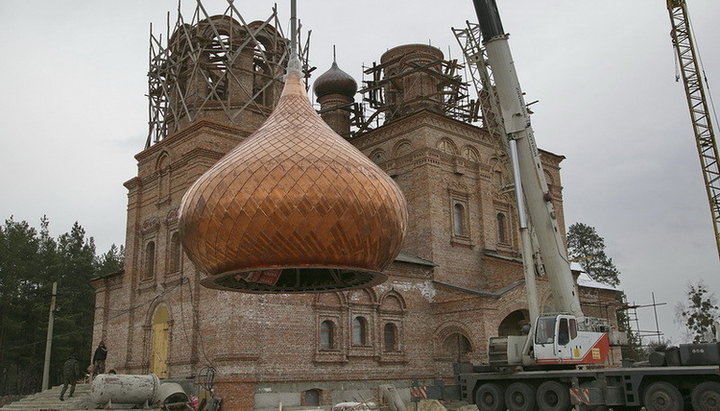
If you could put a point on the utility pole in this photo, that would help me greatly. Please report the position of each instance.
(48, 342)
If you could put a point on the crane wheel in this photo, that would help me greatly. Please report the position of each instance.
(520, 396)
(553, 396)
(489, 397)
(663, 396)
(706, 396)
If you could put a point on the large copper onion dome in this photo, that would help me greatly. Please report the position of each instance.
(335, 81)
(294, 208)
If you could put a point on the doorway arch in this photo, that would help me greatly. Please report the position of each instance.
(512, 324)
(160, 342)
(456, 346)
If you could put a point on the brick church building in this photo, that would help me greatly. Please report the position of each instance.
(457, 281)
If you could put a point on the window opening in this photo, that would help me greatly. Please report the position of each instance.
(150, 260)
(175, 253)
(262, 76)
(458, 219)
(359, 331)
(327, 331)
(502, 237)
(217, 67)
(390, 337)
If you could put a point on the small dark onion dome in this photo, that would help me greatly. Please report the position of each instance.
(335, 81)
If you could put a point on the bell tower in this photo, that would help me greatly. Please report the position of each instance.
(215, 68)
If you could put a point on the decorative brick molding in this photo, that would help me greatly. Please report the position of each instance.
(150, 225)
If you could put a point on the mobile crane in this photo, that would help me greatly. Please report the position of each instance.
(566, 337)
(539, 370)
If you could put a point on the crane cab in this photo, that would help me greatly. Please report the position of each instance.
(558, 339)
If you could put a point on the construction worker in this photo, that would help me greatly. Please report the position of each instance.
(99, 359)
(71, 373)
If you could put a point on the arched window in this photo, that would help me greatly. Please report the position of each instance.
(390, 337)
(217, 66)
(262, 77)
(149, 260)
(327, 335)
(446, 146)
(458, 219)
(359, 326)
(501, 228)
(162, 161)
(471, 154)
(174, 257)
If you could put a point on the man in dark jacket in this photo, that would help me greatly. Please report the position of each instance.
(99, 359)
(71, 373)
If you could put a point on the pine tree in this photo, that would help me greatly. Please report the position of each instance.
(76, 299)
(20, 287)
(111, 262)
(587, 247)
(30, 261)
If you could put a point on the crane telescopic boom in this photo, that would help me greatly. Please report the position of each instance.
(528, 172)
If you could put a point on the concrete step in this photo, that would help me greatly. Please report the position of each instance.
(50, 400)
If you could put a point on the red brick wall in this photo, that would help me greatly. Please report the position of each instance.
(273, 339)
(236, 393)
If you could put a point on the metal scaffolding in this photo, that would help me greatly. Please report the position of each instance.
(482, 77)
(380, 105)
(215, 66)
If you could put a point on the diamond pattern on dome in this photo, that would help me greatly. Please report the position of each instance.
(294, 195)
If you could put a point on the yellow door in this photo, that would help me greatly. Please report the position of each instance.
(160, 342)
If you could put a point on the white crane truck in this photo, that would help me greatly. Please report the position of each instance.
(562, 361)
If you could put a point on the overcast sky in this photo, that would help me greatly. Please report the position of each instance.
(73, 112)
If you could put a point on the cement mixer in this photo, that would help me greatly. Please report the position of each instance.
(138, 390)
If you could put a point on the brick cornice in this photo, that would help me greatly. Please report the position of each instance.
(422, 119)
(133, 183)
(190, 131)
